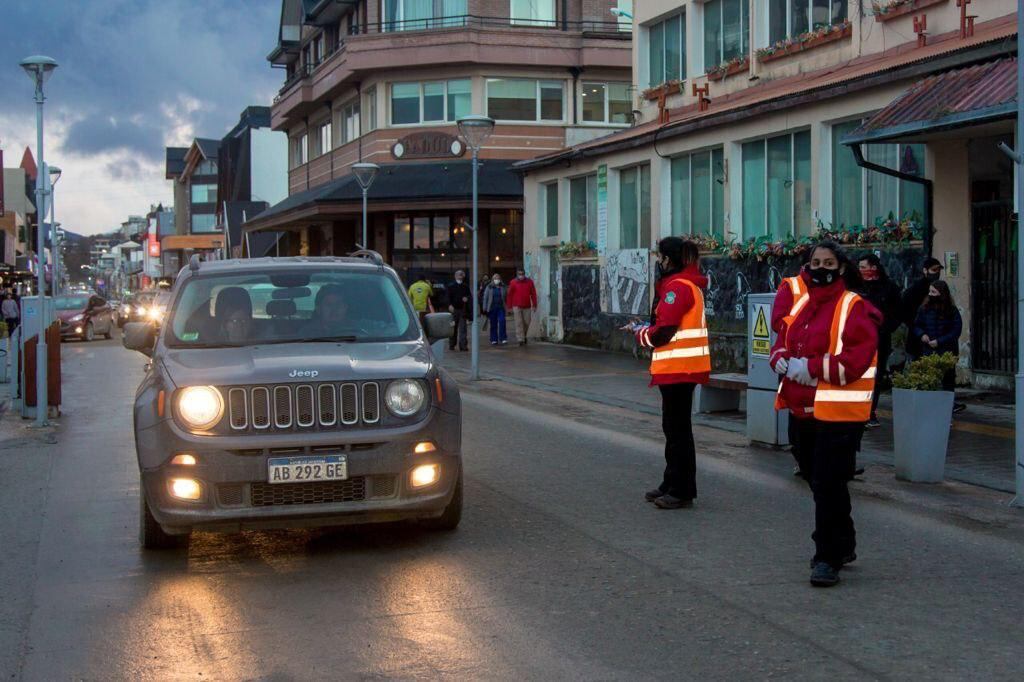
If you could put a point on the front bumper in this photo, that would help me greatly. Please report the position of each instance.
(72, 329)
(236, 495)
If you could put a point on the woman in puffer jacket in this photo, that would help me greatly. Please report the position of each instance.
(938, 326)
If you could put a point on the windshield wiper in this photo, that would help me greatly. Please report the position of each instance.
(310, 339)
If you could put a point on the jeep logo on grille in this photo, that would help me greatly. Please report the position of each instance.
(304, 374)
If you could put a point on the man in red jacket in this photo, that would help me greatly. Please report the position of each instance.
(522, 298)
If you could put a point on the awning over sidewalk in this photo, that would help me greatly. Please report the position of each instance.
(192, 241)
(976, 95)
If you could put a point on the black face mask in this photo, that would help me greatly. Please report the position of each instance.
(932, 276)
(822, 277)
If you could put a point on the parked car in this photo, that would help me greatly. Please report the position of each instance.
(288, 392)
(84, 317)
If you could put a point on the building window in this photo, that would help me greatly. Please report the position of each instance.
(514, 99)
(323, 138)
(204, 222)
(583, 209)
(370, 120)
(777, 186)
(349, 122)
(791, 18)
(549, 199)
(666, 50)
(300, 149)
(532, 12)
(605, 103)
(206, 167)
(698, 193)
(416, 15)
(726, 31)
(862, 197)
(204, 194)
(436, 101)
(635, 207)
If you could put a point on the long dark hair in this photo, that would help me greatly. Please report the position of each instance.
(875, 262)
(851, 275)
(680, 252)
(944, 301)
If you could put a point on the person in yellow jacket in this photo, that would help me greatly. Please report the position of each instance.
(420, 293)
(680, 359)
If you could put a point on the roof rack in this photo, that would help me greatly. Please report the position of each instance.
(370, 255)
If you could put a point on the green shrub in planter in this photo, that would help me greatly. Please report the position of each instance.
(925, 374)
(921, 413)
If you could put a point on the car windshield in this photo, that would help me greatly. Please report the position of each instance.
(290, 306)
(72, 302)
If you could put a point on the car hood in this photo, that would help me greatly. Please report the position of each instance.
(296, 363)
(66, 315)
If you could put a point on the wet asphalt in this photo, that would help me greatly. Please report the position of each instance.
(558, 571)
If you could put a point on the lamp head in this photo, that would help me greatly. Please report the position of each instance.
(55, 173)
(475, 129)
(39, 67)
(365, 173)
(619, 12)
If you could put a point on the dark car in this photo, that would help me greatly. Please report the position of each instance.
(135, 308)
(84, 317)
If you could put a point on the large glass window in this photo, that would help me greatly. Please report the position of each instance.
(300, 149)
(605, 103)
(323, 138)
(777, 186)
(206, 167)
(370, 119)
(550, 195)
(349, 123)
(635, 207)
(532, 12)
(666, 50)
(791, 18)
(698, 193)
(726, 31)
(405, 103)
(583, 209)
(204, 222)
(847, 179)
(459, 99)
(416, 15)
(204, 194)
(515, 99)
(435, 101)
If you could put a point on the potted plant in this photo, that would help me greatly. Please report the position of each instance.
(921, 413)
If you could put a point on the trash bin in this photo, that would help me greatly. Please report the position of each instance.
(764, 423)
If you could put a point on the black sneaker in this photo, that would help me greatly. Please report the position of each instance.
(823, 575)
(873, 423)
(848, 559)
(672, 502)
(652, 495)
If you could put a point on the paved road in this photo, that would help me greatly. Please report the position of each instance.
(559, 570)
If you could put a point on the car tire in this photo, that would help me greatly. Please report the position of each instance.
(151, 535)
(452, 515)
(90, 332)
(110, 332)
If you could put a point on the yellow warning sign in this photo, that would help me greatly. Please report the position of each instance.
(761, 337)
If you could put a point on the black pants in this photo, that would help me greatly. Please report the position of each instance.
(12, 324)
(884, 351)
(680, 479)
(827, 452)
(460, 319)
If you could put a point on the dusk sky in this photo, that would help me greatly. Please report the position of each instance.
(135, 76)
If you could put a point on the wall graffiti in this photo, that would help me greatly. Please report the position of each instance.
(625, 282)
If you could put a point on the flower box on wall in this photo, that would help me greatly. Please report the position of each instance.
(730, 68)
(672, 87)
(805, 41)
(897, 8)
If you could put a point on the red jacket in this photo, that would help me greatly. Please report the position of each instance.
(522, 293)
(809, 337)
(666, 315)
(783, 304)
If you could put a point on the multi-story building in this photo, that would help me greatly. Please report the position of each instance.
(194, 174)
(766, 119)
(385, 81)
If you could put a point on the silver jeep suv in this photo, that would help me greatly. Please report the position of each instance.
(287, 392)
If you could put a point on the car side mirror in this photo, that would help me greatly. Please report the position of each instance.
(439, 326)
(139, 336)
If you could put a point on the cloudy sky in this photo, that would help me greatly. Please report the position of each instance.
(135, 76)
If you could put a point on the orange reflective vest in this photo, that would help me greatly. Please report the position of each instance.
(688, 351)
(835, 400)
(800, 298)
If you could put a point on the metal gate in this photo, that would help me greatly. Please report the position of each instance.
(994, 287)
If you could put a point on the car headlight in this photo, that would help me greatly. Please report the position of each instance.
(78, 318)
(200, 407)
(141, 311)
(126, 309)
(155, 314)
(404, 398)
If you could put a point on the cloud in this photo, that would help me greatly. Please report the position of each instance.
(98, 134)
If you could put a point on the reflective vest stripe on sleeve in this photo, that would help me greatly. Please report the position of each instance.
(800, 298)
(688, 351)
(835, 399)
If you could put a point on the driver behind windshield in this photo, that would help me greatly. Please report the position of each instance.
(233, 315)
(330, 314)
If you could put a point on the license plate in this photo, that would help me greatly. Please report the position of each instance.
(307, 469)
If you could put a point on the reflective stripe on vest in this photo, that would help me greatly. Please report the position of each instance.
(800, 298)
(688, 351)
(835, 400)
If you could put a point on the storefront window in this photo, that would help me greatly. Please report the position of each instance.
(421, 232)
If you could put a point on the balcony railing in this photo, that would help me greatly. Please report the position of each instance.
(303, 71)
(612, 29)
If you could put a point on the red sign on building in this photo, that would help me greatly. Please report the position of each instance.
(154, 246)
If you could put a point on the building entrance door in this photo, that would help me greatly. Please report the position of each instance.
(994, 287)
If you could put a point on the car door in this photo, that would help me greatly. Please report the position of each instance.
(107, 313)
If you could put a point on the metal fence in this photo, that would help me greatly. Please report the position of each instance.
(994, 287)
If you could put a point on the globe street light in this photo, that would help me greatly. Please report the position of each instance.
(365, 174)
(39, 69)
(55, 240)
(475, 129)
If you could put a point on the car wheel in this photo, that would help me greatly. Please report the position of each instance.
(90, 332)
(151, 535)
(110, 331)
(452, 515)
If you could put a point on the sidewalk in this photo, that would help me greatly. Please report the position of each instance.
(981, 445)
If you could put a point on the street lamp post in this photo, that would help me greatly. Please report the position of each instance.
(365, 174)
(55, 239)
(39, 69)
(475, 129)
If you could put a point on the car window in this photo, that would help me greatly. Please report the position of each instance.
(291, 306)
(71, 302)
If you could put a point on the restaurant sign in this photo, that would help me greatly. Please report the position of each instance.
(428, 145)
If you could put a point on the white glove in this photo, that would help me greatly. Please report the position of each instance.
(781, 366)
(799, 372)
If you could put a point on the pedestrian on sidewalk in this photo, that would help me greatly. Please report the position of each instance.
(828, 356)
(460, 305)
(522, 298)
(419, 293)
(882, 293)
(680, 359)
(937, 326)
(11, 313)
(495, 297)
(913, 298)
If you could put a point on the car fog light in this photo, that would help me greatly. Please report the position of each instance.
(185, 488)
(424, 475)
(184, 460)
(78, 330)
(425, 446)
(200, 407)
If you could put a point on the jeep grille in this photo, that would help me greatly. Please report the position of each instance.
(302, 407)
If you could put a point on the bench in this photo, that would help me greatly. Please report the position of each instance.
(722, 393)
